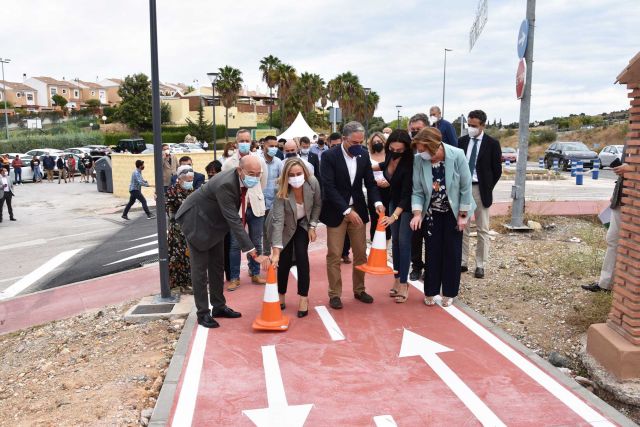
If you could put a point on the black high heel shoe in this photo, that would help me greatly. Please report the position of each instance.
(305, 312)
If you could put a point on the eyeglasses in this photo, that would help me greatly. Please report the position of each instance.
(244, 141)
(255, 175)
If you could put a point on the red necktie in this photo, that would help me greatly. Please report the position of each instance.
(244, 209)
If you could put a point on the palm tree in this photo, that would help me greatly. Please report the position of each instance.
(269, 67)
(309, 89)
(363, 114)
(286, 77)
(228, 85)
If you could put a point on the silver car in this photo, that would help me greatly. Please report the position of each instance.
(27, 174)
(609, 154)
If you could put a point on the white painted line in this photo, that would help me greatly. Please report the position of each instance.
(37, 274)
(23, 244)
(140, 255)
(332, 327)
(79, 234)
(384, 421)
(10, 279)
(191, 382)
(155, 242)
(573, 402)
(145, 237)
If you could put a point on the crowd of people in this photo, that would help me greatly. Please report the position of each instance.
(265, 199)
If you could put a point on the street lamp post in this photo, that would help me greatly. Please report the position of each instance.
(444, 78)
(367, 91)
(4, 96)
(214, 78)
(398, 107)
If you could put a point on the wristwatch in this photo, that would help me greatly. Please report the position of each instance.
(395, 216)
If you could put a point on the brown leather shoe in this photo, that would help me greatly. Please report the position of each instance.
(233, 284)
(258, 280)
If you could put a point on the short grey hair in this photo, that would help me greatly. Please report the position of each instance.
(420, 117)
(436, 107)
(352, 127)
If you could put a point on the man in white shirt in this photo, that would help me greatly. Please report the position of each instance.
(6, 193)
(291, 151)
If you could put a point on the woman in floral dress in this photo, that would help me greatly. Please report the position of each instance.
(179, 266)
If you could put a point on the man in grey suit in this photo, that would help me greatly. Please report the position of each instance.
(205, 217)
(6, 193)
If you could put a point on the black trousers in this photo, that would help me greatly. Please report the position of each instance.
(7, 198)
(417, 241)
(133, 196)
(227, 261)
(444, 253)
(298, 245)
(207, 268)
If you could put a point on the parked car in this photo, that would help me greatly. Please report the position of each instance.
(609, 154)
(130, 145)
(509, 153)
(148, 150)
(27, 175)
(568, 152)
(78, 150)
(98, 151)
(44, 152)
(177, 149)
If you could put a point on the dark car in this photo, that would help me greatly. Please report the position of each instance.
(132, 145)
(567, 153)
(97, 151)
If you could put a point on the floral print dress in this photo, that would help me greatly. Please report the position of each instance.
(439, 200)
(179, 265)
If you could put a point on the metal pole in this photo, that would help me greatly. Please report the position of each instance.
(444, 78)
(366, 119)
(518, 190)
(270, 107)
(165, 292)
(4, 96)
(215, 131)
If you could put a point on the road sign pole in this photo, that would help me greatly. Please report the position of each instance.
(518, 191)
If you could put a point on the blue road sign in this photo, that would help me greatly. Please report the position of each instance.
(522, 38)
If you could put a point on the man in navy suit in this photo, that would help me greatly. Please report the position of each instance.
(344, 169)
(446, 128)
(198, 178)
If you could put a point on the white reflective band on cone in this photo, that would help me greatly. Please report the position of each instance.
(271, 293)
(379, 240)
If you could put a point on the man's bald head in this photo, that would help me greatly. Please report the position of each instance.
(251, 165)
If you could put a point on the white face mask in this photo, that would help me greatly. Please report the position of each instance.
(432, 120)
(305, 151)
(473, 132)
(386, 135)
(231, 152)
(425, 156)
(296, 181)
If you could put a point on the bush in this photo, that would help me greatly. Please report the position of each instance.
(22, 144)
(542, 136)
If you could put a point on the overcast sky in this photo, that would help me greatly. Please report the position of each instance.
(396, 47)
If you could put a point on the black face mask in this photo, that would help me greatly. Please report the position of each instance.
(413, 133)
(321, 142)
(378, 147)
(396, 155)
(290, 155)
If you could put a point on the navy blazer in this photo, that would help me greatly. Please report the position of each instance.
(448, 132)
(198, 180)
(337, 189)
(488, 165)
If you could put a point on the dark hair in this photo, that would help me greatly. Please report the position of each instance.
(184, 159)
(334, 136)
(282, 140)
(480, 115)
(139, 163)
(400, 135)
(215, 166)
(270, 138)
(305, 140)
(165, 145)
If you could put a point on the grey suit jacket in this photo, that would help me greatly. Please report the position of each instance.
(282, 221)
(10, 187)
(212, 211)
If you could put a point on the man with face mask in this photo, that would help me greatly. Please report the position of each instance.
(485, 163)
(417, 122)
(291, 150)
(169, 166)
(319, 147)
(198, 178)
(253, 212)
(274, 167)
(346, 168)
(135, 193)
(386, 132)
(205, 217)
(309, 157)
(446, 128)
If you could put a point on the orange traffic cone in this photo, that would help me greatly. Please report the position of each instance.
(377, 262)
(271, 317)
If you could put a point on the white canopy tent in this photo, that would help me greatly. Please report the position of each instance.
(298, 128)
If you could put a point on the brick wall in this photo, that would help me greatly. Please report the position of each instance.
(625, 313)
(124, 165)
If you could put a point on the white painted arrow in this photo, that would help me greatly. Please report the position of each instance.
(416, 345)
(279, 413)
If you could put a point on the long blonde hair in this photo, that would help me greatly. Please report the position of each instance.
(283, 183)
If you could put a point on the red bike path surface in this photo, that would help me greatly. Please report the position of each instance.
(348, 382)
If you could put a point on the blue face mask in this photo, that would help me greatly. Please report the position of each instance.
(272, 151)
(187, 185)
(250, 181)
(355, 150)
(244, 147)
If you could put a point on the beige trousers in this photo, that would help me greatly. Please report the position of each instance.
(335, 243)
(482, 227)
(609, 262)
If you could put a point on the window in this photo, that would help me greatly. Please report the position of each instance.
(76, 93)
(93, 93)
(53, 91)
(18, 95)
(64, 91)
(30, 97)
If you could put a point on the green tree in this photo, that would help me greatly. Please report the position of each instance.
(93, 105)
(286, 77)
(202, 129)
(348, 91)
(135, 108)
(228, 85)
(269, 68)
(59, 100)
(165, 112)
(575, 122)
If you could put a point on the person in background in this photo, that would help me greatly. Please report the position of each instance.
(213, 168)
(346, 169)
(377, 155)
(6, 193)
(386, 132)
(229, 151)
(82, 170)
(169, 166)
(446, 128)
(280, 153)
(398, 171)
(309, 157)
(49, 164)
(294, 217)
(71, 167)
(334, 140)
(417, 122)
(274, 166)
(291, 151)
(320, 147)
(36, 169)
(6, 164)
(198, 178)
(441, 203)
(17, 169)
(87, 161)
(62, 169)
(179, 265)
(135, 193)
(252, 213)
(485, 162)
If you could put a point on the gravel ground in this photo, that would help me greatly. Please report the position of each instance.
(92, 369)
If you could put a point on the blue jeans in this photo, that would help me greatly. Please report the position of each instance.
(256, 226)
(18, 175)
(401, 245)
